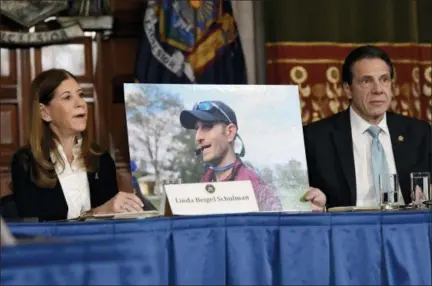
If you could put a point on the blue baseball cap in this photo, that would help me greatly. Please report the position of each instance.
(208, 111)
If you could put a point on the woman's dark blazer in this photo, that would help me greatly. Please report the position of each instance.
(50, 203)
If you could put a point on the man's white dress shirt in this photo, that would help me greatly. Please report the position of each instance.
(362, 142)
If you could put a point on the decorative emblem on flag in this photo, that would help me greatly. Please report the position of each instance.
(197, 29)
(187, 22)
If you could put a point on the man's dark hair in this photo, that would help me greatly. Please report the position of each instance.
(363, 52)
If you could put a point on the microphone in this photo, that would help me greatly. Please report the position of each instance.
(198, 151)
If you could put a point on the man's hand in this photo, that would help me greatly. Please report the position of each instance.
(316, 197)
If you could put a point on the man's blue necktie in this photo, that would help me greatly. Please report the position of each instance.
(378, 158)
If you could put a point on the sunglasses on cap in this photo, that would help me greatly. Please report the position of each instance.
(208, 106)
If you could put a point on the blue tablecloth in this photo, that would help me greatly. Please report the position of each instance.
(290, 249)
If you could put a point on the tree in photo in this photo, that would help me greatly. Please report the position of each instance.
(189, 165)
(291, 174)
(162, 147)
(152, 127)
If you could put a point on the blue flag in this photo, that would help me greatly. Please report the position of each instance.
(190, 41)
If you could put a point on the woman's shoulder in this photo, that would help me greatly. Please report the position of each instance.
(100, 152)
(98, 149)
(23, 158)
(23, 154)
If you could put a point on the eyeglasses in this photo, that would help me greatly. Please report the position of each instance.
(208, 105)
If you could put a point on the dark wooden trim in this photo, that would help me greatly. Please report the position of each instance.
(8, 93)
(128, 18)
(25, 83)
(37, 60)
(102, 130)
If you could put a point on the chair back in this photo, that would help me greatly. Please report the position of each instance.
(8, 208)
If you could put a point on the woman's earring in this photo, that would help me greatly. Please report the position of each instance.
(46, 120)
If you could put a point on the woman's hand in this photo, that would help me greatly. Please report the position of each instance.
(122, 202)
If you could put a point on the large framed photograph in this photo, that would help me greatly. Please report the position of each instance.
(181, 133)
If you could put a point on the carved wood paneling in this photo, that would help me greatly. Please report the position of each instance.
(8, 93)
(6, 128)
(10, 107)
(5, 181)
(9, 140)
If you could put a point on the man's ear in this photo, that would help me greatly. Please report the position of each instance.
(44, 113)
(393, 87)
(347, 89)
(232, 131)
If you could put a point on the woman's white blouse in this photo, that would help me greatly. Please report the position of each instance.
(74, 181)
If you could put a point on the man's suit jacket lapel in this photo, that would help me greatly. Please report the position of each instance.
(397, 130)
(342, 140)
(401, 148)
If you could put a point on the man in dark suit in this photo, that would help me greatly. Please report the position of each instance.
(347, 151)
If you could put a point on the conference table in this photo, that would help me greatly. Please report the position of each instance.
(353, 248)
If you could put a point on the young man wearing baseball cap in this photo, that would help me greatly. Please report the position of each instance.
(216, 131)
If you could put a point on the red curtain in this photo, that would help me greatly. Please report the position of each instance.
(316, 69)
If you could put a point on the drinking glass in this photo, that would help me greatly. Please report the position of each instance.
(420, 188)
(389, 190)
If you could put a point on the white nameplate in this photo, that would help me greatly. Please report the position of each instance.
(211, 198)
